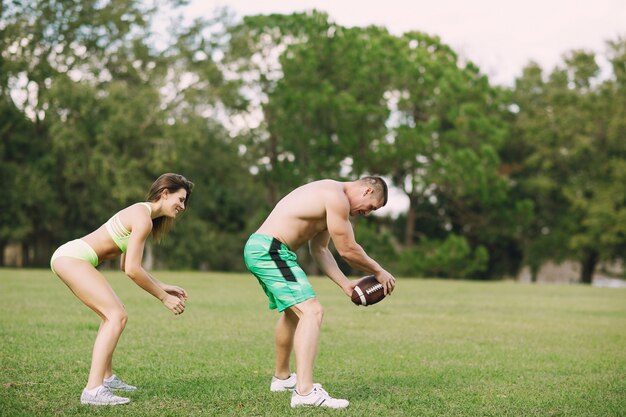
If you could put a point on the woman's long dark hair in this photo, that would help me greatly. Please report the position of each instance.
(172, 183)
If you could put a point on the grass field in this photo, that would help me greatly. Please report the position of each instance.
(435, 348)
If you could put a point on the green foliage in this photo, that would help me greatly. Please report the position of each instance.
(23, 212)
(331, 113)
(342, 102)
(323, 84)
(104, 114)
(443, 149)
(92, 111)
(212, 232)
(58, 61)
(570, 152)
(450, 258)
(374, 236)
(118, 133)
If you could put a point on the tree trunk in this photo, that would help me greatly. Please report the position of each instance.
(534, 272)
(42, 251)
(26, 258)
(148, 258)
(409, 229)
(588, 267)
(272, 194)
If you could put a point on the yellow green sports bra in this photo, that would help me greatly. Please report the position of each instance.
(118, 232)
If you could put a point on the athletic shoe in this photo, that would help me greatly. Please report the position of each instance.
(288, 384)
(102, 397)
(115, 383)
(318, 397)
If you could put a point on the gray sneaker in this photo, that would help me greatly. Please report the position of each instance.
(102, 397)
(288, 384)
(115, 383)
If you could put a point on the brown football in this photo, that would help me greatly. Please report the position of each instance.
(368, 291)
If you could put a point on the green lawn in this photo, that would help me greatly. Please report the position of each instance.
(435, 348)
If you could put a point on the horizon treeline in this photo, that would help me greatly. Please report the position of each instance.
(95, 104)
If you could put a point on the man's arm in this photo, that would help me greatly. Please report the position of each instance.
(340, 230)
(318, 246)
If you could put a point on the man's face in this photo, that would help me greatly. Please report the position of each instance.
(365, 204)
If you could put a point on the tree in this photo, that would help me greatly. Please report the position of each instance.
(447, 127)
(223, 206)
(341, 102)
(328, 111)
(254, 54)
(572, 150)
(97, 112)
(47, 44)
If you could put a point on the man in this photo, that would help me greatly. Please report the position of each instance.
(314, 213)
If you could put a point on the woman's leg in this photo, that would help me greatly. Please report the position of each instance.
(108, 369)
(90, 286)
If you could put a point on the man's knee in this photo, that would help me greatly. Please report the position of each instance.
(312, 307)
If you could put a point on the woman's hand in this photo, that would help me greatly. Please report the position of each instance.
(175, 291)
(174, 303)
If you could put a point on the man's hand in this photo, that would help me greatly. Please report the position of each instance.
(349, 287)
(388, 281)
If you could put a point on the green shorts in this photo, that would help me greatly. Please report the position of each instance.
(78, 249)
(275, 266)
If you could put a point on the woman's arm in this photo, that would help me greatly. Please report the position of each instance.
(141, 228)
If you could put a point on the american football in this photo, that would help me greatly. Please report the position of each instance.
(368, 291)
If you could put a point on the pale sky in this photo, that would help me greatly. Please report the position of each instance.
(500, 36)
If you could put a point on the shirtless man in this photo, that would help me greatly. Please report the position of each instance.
(314, 213)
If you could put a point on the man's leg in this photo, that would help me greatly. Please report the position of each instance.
(285, 330)
(306, 338)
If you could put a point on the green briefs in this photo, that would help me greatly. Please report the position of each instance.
(78, 249)
(275, 266)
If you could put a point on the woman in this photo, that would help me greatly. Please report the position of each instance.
(125, 233)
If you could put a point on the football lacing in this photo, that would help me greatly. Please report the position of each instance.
(374, 288)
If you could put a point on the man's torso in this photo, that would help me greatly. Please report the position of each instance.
(301, 214)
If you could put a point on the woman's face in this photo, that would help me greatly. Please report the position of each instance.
(174, 203)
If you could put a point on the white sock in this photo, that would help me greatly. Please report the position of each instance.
(109, 379)
(93, 390)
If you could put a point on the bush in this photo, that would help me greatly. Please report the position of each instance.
(450, 258)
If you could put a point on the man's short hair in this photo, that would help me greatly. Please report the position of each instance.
(379, 185)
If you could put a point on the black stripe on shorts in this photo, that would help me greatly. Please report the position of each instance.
(280, 264)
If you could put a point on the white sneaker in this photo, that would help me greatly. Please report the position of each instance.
(102, 397)
(288, 384)
(115, 383)
(318, 397)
